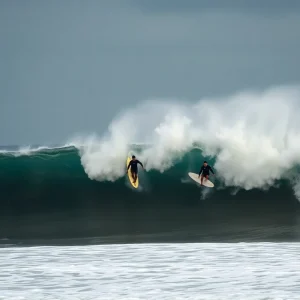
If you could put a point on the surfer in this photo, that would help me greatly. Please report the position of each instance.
(205, 171)
(134, 168)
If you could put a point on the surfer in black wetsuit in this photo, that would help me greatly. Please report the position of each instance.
(205, 171)
(134, 168)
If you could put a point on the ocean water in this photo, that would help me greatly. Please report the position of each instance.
(66, 236)
(152, 271)
(47, 198)
(72, 227)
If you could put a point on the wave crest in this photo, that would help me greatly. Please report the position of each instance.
(253, 137)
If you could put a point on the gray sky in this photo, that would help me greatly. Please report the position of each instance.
(69, 66)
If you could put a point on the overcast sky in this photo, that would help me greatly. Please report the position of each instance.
(69, 66)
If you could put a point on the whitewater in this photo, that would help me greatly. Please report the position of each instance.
(152, 271)
(253, 135)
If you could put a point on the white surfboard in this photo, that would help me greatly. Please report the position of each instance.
(205, 182)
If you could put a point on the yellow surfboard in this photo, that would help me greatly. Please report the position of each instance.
(136, 184)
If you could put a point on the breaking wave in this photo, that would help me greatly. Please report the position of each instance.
(251, 139)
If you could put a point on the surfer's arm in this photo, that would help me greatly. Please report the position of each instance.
(200, 170)
(211, 170)
(140, 163)
(129, 165)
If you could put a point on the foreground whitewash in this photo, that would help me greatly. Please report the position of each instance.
(152, 271)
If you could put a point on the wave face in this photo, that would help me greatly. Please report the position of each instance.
(81, 190)
(46, 197)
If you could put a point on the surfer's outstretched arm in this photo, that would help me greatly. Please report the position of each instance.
(140, 163)
(211, 170)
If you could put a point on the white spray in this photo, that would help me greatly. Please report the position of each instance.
(254, 136)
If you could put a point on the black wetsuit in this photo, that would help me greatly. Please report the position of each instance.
(133, 165)
(205, 170)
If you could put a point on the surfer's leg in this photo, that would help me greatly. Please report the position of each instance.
(134, 176)
(202, 176)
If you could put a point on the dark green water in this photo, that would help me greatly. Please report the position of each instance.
(47, 198)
